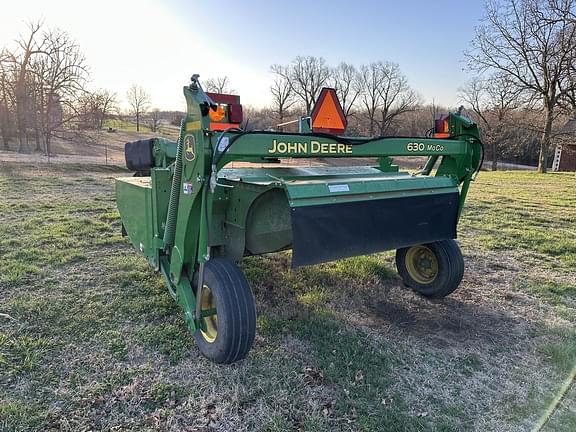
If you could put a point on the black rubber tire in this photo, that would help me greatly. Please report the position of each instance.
(450, 269)
(236, 313)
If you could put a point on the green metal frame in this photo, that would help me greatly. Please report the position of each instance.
(189, 196)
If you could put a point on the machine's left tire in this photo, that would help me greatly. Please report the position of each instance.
(227, 336)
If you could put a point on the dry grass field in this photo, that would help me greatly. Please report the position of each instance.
(91, 147)
(91, 340)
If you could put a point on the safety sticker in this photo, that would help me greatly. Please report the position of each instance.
(339, 188)
(187, 188)
(223, 144)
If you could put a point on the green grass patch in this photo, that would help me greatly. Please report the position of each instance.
(107, 384)
(22, 415)
(364, 268)
(552, 292)
(125, 126)
(49, 229)
(559, 348)
(526, 212)
(21, 354)
(470, 364)
(92, 328)
(116, 342)
(564, 418)
(536, 400)
(162, 392)
(171, 339)
(16, 271)
(351, 361)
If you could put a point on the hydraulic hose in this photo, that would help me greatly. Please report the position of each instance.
(170, 230)
(482, 152)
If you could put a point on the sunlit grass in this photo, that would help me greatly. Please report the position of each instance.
(523, 211)
(90, 328)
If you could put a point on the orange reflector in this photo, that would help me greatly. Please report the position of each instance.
(327, 115)
(222, 126)
(441, 125)
(217, 115)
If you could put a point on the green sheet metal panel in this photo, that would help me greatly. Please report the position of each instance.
(335, 212)
(134, 200)
(323, 185)
(161, 179)
(270, 175)
(364, 188)
(361, 214)
(268, 223)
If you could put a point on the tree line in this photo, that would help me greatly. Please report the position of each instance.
(44, 92)
(522, 91)
(522, 60)
(41, 80)
(378, 90)
(523, 56)
(524, 52)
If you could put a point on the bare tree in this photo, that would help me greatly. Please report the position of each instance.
(385, 94)
(370, 82)
(139, 101)
(568, 103)
(306, 75)
(218, 85)
(345, 80)
(419, 121)
(37, 97)
(6, 98)
(29, 46)
(104, 105)
(154, 120)
(568, 99)
(96, 107)
(532, 42)
(47, 73)
(397, 97)
(63, 74)
(282, 94)
(492, 100)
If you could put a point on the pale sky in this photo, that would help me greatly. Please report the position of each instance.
(160, 44)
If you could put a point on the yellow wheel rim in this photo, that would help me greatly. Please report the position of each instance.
(210, 322)
(421, 264)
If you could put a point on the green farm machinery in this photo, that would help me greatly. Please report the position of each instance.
(194, 217)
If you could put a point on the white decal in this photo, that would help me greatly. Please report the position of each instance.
(223, 144)
(339, 188)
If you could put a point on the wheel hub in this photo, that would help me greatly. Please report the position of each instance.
(422, 264)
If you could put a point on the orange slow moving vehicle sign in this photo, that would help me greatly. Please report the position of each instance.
(327, 115)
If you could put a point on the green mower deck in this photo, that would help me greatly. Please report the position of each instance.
(194, 218)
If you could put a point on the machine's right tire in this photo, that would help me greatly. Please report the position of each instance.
(235, 321)
(448, 265)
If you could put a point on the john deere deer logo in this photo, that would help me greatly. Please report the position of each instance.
(189, 144)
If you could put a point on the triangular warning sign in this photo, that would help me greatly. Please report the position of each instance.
(327, 115)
